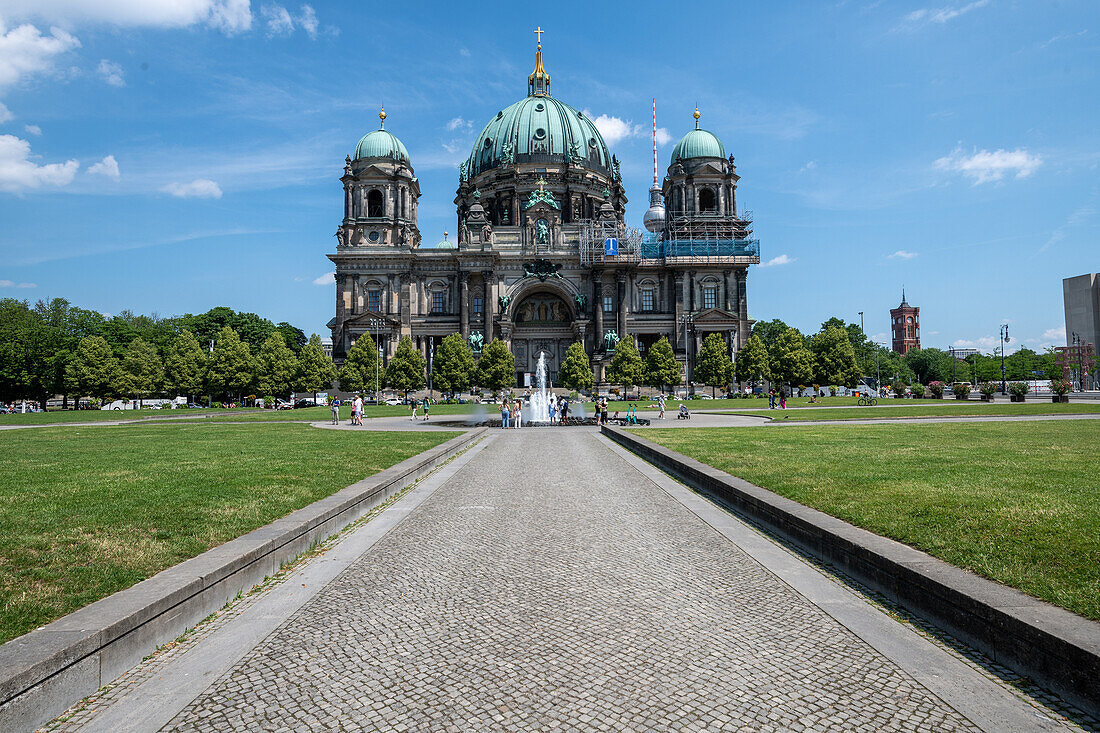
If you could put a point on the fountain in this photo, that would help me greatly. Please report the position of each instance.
(537, 410)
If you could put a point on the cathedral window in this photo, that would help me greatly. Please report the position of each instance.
(438, 304)
(374, 300)
(647, 301)
(608, 304)
(374, 203)
(710, 297)
(478, 305)
(706, 201)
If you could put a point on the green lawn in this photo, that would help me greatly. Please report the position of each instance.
(1015, 502)
(87, 511)
(941, 409)
(67, 416)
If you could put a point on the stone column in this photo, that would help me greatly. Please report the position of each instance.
(691, 291)
(680, 305)
(742, 304)
(725, 290)
(341, 296)
(489, 307)
(622, 294)
(597, 296)
(464, 304)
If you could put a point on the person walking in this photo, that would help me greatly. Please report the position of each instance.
(427, 406)
(565, 411)
(412, 404)
(603, 411)
(661, 404)
(771, 398)
(504, 414)
(552, 410)
(336, 412)
(517, 417)
(782, 399)
(357, 410)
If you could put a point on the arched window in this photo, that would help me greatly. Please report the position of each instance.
(706, 201)
(374, 203)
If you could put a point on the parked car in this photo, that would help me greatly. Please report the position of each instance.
(304, 403)
(393, 402)
(283, 405)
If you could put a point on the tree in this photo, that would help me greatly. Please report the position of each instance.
(362, 369)
(231, 366)
(661, 367)
(626, 367)
(294, 336)
(275, 366)
(454, 365)
(769, 331)
(94, 370)
(930, 365)
(142, 370)
(405, 372)
(496, 369)
(790, 360)
(576, 369)
(834, 358)
(315, 369)
(184, 365)
(752, 361)
(713, 367)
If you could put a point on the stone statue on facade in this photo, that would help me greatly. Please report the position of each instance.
(542, 231)
(503, 302)
(507, 155)
(610, 340)
(581, 301)
(347, 165)
(462, 171)
(476, 339)
(487, 233)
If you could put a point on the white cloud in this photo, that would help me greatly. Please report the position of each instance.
(200, 188)
(228, 16)
(459, 124)
(1055, 334)
(11, 284)
(18, 172)
(111, 73)
(780, 260)
(327, 279)
(812, 165)
(281, 23)
(942, 15)
(902, 254)
(985, 343)
(983, 166)
(464, 52)
(25, 51)
(33, 129)
(1078, 217)
(107, 167)
(615, 129)
(5, 114)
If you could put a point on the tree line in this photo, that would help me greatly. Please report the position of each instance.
(54, 348)
(841, 354)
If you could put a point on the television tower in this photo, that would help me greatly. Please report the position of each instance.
(654, 218)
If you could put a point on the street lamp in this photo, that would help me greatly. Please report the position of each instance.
(687, 320)
(1075, 342)
(377, 324)
(1004, 340)
(431, 359)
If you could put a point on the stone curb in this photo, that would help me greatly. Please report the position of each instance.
(1054, 647)
(46, 670)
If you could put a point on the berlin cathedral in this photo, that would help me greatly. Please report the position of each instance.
(542, 256)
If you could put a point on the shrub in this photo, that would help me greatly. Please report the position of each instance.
(988, 388)
(1018, 389)
(960, 389)
(918, 390)
(899, 388)
(166, 405)
(936, 388)
(216, 405)
(832, 391)
(1060, 386)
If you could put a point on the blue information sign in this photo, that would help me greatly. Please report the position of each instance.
(610, 247)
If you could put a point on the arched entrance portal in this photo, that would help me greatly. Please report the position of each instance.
(543, 326)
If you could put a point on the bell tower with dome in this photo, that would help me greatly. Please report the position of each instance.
(542, 256)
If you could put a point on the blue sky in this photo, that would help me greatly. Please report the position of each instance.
(169, 156)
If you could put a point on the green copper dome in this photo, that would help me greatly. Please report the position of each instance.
(445, 243)
(381, 144)
(698, 144)
(538, 129)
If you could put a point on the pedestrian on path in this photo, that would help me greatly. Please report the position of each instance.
(357, 411)
(517, 418)
(782, 399)
(427, 406)
(336, 412)
(504, 414)
(552, 410)
(412, 403)
(771, 398)
(661, 404)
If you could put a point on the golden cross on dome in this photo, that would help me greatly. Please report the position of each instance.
(538, 32)
(541, 182)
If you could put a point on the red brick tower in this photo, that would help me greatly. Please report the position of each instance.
(905, 324)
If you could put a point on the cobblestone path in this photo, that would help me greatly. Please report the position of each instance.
(550, 584)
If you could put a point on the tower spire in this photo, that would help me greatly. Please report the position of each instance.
(382, 116)
(696, 115)
(654, 142)
(539, 81)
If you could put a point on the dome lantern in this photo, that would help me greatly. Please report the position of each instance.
(538, 84)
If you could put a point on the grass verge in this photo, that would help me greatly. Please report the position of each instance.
(962, 409)
(1016, 502)
(88, 511)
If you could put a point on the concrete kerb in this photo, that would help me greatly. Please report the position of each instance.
(45, 671)
(1055, 648)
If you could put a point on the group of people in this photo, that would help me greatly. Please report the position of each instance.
(511, 412)
(414, 404)
(777, 398)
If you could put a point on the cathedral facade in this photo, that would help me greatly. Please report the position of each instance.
(542, 256)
